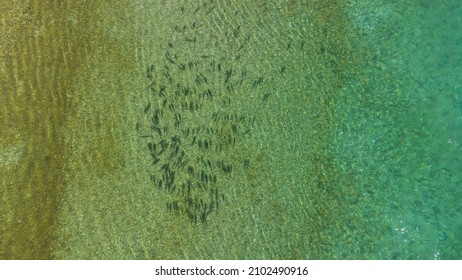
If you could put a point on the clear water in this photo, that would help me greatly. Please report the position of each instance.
(305, 129)
(399, 129)
(354, 154)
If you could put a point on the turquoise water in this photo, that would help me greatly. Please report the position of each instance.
(399, 130)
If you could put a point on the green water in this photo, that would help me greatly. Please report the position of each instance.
(272, 130)
(399, 125)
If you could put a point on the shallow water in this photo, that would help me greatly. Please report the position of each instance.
(232, 130)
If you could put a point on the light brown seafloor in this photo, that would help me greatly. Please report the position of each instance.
(75, 172)
(45, 47)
